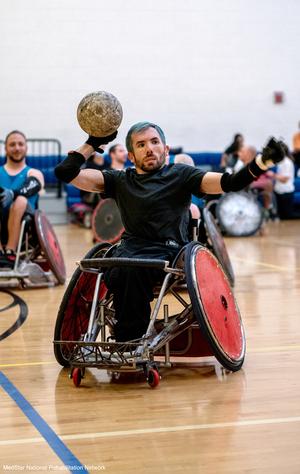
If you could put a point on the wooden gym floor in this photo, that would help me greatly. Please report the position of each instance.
(199, 419)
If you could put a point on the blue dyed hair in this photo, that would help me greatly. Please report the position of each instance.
(139, 127)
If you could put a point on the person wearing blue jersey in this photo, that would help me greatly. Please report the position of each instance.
(19, 190)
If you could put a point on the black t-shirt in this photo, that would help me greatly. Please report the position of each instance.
(155, 206)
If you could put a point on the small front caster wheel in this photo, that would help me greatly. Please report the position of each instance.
(153, 378)
(76, 376)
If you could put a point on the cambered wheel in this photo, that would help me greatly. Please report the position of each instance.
(74, 311)
(217, 244)
(107, 224)
(50, 247)
(214, 306)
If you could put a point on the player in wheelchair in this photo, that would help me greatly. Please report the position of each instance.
(29, 251)
(154, 200)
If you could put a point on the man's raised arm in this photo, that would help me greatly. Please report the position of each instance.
(69, 170)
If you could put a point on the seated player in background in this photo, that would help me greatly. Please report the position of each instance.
(19, 191)
(118, 156)
(231, 154)
(264, 185)
(284, 187)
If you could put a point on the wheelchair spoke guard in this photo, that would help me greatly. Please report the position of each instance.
(214, 306)
(218, 244)
(107, 225)
(50, 246)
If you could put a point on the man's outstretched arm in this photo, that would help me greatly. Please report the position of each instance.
(217, 183)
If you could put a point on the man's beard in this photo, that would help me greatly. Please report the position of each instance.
(157, 165)
(16, 160)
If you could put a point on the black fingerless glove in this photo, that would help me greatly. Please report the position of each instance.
(96, 142)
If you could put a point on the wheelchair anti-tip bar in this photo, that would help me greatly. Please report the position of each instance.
(98, 263)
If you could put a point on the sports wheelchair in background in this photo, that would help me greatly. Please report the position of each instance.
(104, 219)
(39, 260)
(200, 317)
(238, 214)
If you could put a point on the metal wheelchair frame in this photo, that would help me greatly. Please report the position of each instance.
(27, 273)
(137, 355)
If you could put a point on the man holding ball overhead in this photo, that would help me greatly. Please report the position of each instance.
(153, 199)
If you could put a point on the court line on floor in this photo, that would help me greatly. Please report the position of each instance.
(164, 429)
(295, 347)
(47, 433)
(283, 243)
(25, 364)
(22, 316)
(263, 264)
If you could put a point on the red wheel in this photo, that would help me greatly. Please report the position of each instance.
(214, 306)
(73, 315)
(153, 378)
(76, 376)
(50, 246)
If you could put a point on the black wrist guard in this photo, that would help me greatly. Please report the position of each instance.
(68, 169)
(241, 179)
(31, 187)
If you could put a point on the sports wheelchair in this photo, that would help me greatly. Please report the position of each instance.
(39, 260)
(238, 214)
(206, 322)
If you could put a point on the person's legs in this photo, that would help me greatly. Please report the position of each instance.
(3, 236)
(285, 205)
(11, 218)
(1, 233)
(132, 289)
(16, 213)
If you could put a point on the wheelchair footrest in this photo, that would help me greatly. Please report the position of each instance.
(13, 274)
(104, 355)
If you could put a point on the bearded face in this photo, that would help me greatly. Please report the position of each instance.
(149, 152)
(16, 147)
